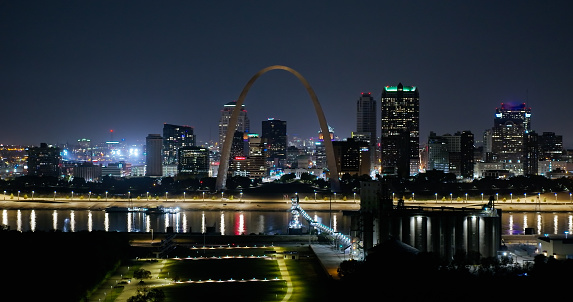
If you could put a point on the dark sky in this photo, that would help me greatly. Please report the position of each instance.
(76, 69)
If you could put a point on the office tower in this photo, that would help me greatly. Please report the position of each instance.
(175, 137)
(153, 157)
(438, 155)
(243, 124)
(400, 127)
(366, 118)
(512, 121)
(550, 146)
(44, 161)
(531, 153)
(193, 162)
(274, 134)
(452, 153)
(239, 145)
(366, 126)
(352, 157)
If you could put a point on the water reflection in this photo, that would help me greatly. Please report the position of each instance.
(222, 222)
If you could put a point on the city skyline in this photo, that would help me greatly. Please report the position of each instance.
(76, 70)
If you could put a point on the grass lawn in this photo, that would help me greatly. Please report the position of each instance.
(242, 274)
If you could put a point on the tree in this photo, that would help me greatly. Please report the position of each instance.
(148, 295)
(141, 274)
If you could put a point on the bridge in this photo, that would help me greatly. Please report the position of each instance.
(345, 242)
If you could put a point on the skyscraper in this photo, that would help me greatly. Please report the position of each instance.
(366, 127)
(512, 121)
(175, 137)
(243, 124)
(400, 130)
(365, 118)
(274, 134)
(452, 153)
(193, 162)
(153, 158)
(44, 161)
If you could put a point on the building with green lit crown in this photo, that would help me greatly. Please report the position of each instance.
(400, 130)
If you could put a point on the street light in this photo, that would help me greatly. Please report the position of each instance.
(436, 195)
(72, 195)
(412, 196)
(89, 195)
(4, 195)
(105, 195)
(183, 196)
(129, 196)
(165, 196)
(241, 198)
(496, 197)
(32, 195)
(510, 197)
(481, 196)
(18, 194)
(555, 197)
(147, 195)
(203, 195)
(315, 195)
(451, 197)
(466, 197)
(54, 195)
(354, 197)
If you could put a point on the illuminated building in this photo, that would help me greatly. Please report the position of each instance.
(243, 124)
(366, 118)
(352, 157)
(511, 122)
(193, 161)
(153, 155)
(44, 161)
(274, 134)
(175, 137)
(366, 126)
(452, 153)
(400, 127)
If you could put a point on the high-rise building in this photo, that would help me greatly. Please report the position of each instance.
(366, 126)
(400, 130)
(366, 118)
(452, 153)
(274, 134)
(550, 146)
(531, 156)
(44, 161)
(512, 121)
(193, 162)
(243, 124)
(175, 137)
(153, 155)
(352, 157)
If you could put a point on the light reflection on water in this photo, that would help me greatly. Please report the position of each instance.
(234, 222)
(224, 222)
(515, 223)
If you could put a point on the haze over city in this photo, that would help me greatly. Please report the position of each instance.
(72, 70)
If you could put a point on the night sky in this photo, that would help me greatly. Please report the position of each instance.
(76, 69)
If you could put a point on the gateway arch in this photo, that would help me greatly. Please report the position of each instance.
(226, 152)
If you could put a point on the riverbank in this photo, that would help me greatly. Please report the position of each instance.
(264, 204)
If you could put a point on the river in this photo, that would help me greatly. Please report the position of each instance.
(234, 222)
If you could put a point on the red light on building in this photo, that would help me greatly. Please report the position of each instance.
(240, 158)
